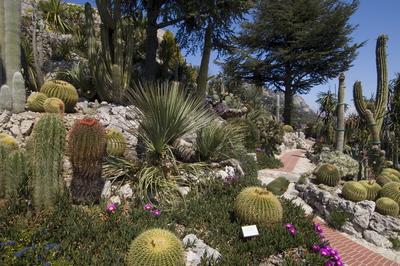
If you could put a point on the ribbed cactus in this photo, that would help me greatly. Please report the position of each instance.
(8, 141)
(87, 147)
(46, 149)
(116, 142)
(384, 179)
(340, 115)
(288, 129)
(62, 90)
(18, 93)
(391, 171)
(5, 98)
(328, 174)
(391, 176)
(372, 188)
(36, 101)
(391, 190)
(256, 205)
(387, 206)
(354, 191)
(16, 171)
(4, 151)
(53, 105)
(156, 247)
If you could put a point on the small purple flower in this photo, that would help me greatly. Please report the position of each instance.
(292, 230)
(8, 243)
(259, 150)
(112, 207)
(288, 226)
(318, 228)
(339, 263)
(329, 263)
(156, 212)
(148, 207)
(324, 252)
(315, 248)
(337, 258)
(334, 252)
(20, 253)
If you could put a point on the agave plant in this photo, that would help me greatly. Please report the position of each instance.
(54, 13)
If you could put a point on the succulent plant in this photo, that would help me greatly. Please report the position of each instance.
(116, 142)
(46, 148)
(9, 141)
(372, 187)
(156, 247)
(328, 174)
(256, 205)
(35, 101)
(354, 191)
(346, 165)
(4, 151)
(53, 105)
(87, 147)
(288, 129)
(391, 171)
(383, 179)
(387, 206)
(391, 190)
(63, 91)
(16, 171)
(391, 176)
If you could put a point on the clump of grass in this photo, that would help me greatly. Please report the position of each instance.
(337, 218)
(267, 162)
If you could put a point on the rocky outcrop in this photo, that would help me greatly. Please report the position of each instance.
(197, 251)
(292, 141)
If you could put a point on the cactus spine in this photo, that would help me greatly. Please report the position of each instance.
(16, 171)
(35, 101)
(354, 191)
(340, 115)
(62, 90)
(328, 174)
(87, 147)
(387, 206)
(46, 150)
(391, 190)
(372, 188)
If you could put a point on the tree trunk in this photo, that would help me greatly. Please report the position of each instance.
(340, 116)
(278, 105)
(151, 42)
(288, 104)
(205, 60)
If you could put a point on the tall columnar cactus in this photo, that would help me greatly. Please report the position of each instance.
(387, 206)
(62, 90)
(340, 115)
(256, 205)
(4, 151)
(13, 97)
(328, 174)
(391, 190)
(372, 188)
(354, 191)
(156, 247)
(35, 101)
(87, 147)
(46, 149)
(374, 118)
(16, 171)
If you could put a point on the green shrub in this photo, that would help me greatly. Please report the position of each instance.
(268, 162)
(395, 243)
(337, 218)
(278, 186)
(54, 12)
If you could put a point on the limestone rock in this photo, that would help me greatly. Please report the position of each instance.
(377, 239)
(197, 249)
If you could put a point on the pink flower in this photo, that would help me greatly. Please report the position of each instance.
(318, 228)
(148, 207)
(112, 207)
(316, 248)
(324, 252)
(292, 230)
(156, 212)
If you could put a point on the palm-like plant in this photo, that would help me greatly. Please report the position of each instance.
(54, 13)
(327, 110)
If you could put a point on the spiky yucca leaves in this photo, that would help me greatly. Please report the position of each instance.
(387, 206)
(391, 171)
(116, 142)
(219, 141)
(53, 105)
(46, 149)
(354, 191)
(372, 187)
(87, 147)
(156, 247)
(16, 171)
(391, 190)
(288, 129)
(63, 91)
(9, 141)
(328, 174)
(166, 114)
(36, 101)
(256, 205)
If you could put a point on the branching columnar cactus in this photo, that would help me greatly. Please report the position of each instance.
(372, 187)
(391, 190)
(46, 149)
(354, 191)
(256, 205)
(387, 206)
(16, 171)
(87, 147)
(53, 105)
(340, 115)
(116, 142)
(156, 247)
(36, 101)
(328, 174)
(62, 90)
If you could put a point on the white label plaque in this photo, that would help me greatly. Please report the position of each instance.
(249, 230)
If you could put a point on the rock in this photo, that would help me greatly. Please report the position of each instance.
(26, 127)
(5, 117)
(384, 224)
(349, 229)
(253, 155)
(221, 174)
(15, 130)
(115, 200)
(362, 212)
(197, 249)
(106, 192)
(125, 191)
(377, 239)
(184, 190)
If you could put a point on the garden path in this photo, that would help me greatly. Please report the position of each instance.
(352, 252)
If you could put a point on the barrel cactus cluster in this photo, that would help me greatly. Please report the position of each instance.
(354, 191)
(328, 174)
(53, 105)
(35, 101)
(372, 188)
(62, 90)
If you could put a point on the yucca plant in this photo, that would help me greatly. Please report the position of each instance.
(54, 13)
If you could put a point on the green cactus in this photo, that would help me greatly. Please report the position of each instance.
(18, 93)
(4, 151)
(328, 174)
(16, 171)
(156, 247)
(35, 101)
(354, 191)
(339, 137)
(87, 147)
(53, 105)
(391, 171)
(384, 179)
(45, 150)
(391, 176)
(62, 90)
(8, 141)
(372, 187)
(116, 142)
(256, 205)
(5, 98)
(387, 206)
(288, 129)
(391, 190)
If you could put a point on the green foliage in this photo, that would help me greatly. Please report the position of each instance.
(53, 105)
(267, 162)
(328, 174)
(62, 90)
(288, 129)
(395, 243)
(116, 142)
(36, 101)
(219, 141)
(337, 218)
(354, 191)
(278, 186)
(387, 206)
(87, 147)
(46, 150)
(54, 12)
(157, 247)
(61, 50)
(256, 205)
(372, 187)
(391, 190)
(170, 55)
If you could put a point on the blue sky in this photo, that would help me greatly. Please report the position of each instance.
(374, 17)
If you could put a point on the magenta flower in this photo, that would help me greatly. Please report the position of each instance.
(318, 228)
(330, 263)
(339, 263)
(324, 252)
(148, 207)
(315, 248)
(156, 212)
(292, 230)
(112, 207)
